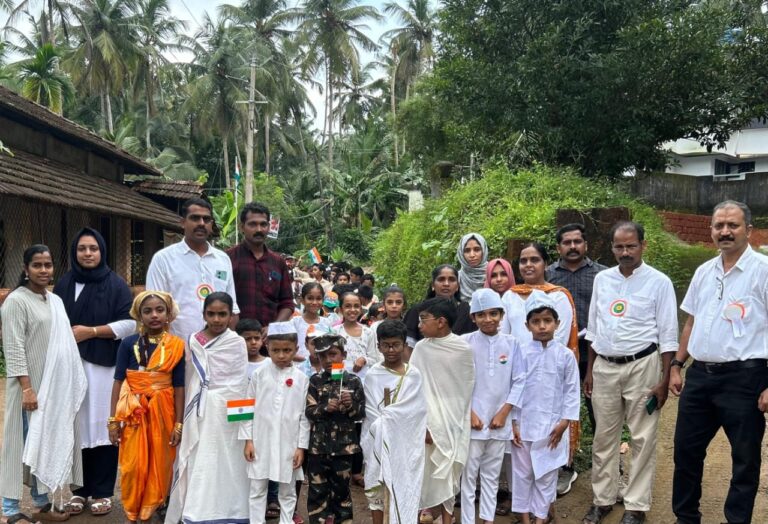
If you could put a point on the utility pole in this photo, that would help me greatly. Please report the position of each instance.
(251, 131)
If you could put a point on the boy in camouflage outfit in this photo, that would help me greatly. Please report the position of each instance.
(333, 408)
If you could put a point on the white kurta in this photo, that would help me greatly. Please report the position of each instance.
(279, 425)
(392, 438)
(448, 370)
(362, 346)
(493, 357)
(210, 464)
(545, 391)
(302, 326)
(514, 316)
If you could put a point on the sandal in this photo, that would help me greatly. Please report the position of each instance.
(596, 514)
(19, 518)
(273, 510)
(101, 506)
(503, 507)
(425, 517)
(76, 505)
(50, 513)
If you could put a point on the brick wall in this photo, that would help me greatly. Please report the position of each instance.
(695, 228)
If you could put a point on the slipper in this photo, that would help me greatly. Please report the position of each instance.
(425, 517)
(19, 518)
(50, 513)
(101, 506)
(273, 510)
(503, 508)
(76, 505)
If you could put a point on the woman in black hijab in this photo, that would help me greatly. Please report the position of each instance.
(97, 302)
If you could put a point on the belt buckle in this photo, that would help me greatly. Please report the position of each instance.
(712, 367)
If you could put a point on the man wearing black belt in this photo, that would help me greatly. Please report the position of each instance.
(632, 329)
(727, 304)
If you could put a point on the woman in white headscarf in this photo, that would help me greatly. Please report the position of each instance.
(473, 257)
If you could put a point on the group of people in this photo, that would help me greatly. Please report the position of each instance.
(235, 376)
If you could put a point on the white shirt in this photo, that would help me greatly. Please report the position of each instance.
(189, 278)
(362, 346)
(628, 314)
(745, 289)
(513, 322)
(493, 380)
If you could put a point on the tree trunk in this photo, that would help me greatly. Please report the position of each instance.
(51, 36)
(267, 122)
(108, 103)
(393, 103)
(325, 204)
(103, 111)
(325, 106)
(407, 95)
(149, 135)
(226, 163)
(330, 121)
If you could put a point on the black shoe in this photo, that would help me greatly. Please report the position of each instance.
(596, 514)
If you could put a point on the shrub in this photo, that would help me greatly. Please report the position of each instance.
(504, 205)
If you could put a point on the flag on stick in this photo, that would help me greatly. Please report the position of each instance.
(240, 409)
(314, 256)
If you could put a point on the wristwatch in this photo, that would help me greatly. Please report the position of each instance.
(678, 363)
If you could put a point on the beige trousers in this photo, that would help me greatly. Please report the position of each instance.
(619, 393)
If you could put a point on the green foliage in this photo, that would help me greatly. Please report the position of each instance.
(599, 84)
(506, 205)
(354, 242)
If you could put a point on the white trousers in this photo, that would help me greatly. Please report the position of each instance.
(531, 495)
(257, 501)
(485, 458)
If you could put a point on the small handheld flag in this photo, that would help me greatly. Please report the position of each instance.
(314, 256)
(237, 169)
(240, 409)
(337, 371)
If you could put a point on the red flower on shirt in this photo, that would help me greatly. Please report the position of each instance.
(289, 382)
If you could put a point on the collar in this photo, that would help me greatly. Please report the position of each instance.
(639, 270)
(586, 262)
(186, 249)
(742, 264)
(267, 252)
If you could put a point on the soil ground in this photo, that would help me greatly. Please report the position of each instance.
(571, 508)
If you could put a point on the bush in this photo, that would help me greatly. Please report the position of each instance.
(504, 205)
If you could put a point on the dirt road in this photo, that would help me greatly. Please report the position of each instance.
(572, 507)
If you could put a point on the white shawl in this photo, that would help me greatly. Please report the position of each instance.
(226, 375)
(49, 450)
(448, 371)
(393, 439)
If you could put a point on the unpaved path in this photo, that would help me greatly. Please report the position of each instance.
(572, 507)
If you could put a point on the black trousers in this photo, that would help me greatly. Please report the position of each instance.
(709, 402)
(583, 361)
(99, 472)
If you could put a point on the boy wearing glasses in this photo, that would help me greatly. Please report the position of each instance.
(448, 370)
(393, 429)
(494, 354)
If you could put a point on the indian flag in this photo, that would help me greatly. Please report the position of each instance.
(240, 409)
(337, 371)
(314, 256)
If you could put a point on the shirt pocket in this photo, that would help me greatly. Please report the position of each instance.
(221, 276)
(640, 307)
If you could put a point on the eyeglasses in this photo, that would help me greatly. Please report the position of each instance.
(422, 320)
(207, 219)
(397, 346)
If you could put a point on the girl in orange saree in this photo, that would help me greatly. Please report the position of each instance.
(148, 405)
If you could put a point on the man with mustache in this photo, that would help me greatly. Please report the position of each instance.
(576, 272)
(262, 279)
(727, 383)
(632, 329)
(192, 269)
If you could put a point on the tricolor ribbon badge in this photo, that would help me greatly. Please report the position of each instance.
(618, 307)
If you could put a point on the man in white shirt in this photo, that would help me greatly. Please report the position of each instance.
(192, 269)
(632, 329)
(727, 384)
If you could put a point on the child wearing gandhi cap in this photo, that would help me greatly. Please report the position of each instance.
(335, 403)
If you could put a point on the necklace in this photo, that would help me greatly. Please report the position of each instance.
(138, 346)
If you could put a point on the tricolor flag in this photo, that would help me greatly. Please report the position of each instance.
(237, 169)
(314, 256)
(240, 409)
(337, 371)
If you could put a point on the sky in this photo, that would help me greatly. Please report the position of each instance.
(192, 12)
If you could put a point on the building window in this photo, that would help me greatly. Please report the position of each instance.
(726, 168)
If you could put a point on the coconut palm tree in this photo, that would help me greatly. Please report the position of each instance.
(52, 11)
(332, 31)
(357, 96)
(42, 80)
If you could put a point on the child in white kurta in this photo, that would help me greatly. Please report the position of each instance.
(546, 399)
(393, 430)
(277, 436)
(491, 405)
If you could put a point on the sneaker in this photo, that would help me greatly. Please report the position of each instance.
(565, 478)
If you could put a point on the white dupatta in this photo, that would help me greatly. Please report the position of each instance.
(49, 449)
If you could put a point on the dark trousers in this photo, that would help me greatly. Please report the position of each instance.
(328, 492)
(99, 472)
(583, 361)
(709, 402)
(357, 458)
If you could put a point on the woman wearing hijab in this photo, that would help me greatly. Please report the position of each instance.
(98, 303)
(499, 276)
(472, 254)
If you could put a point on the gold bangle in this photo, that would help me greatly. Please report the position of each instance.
(112, 419)
(95, 332)
(178, 427)
(113, 425)
(25, 390)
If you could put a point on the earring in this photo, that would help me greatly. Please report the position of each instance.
(26, 276)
